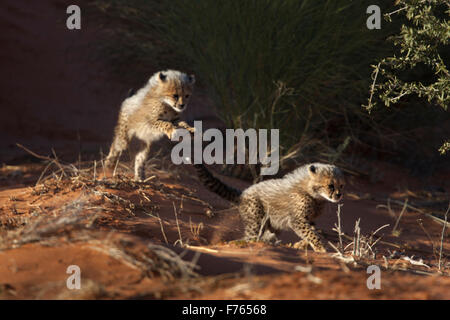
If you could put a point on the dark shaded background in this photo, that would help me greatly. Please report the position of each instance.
(51, 94)
(56, 91)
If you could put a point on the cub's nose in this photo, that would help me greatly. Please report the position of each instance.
(181, 106)
(338, 195)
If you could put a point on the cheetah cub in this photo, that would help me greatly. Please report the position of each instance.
(149, 115)
(292, 202)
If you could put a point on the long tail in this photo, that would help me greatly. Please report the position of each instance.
(247, 172)
(217, 186)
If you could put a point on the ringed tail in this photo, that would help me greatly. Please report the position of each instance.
(217, 186)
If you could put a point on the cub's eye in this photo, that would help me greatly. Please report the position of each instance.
(187, 96)
(331, 187)
(175, 96)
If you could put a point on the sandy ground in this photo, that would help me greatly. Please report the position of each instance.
(174, 210)
(54, 96)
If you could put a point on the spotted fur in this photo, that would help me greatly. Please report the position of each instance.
(292, 202)
(150, 114)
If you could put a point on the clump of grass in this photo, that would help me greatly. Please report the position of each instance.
(196, 231)
(74, 222)
(361, 246)
(154, 260)
(301, 66)
(441, 262)
(395, 231)
(47, 229)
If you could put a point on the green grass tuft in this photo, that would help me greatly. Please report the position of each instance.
(301, 66)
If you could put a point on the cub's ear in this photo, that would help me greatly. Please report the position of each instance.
(191, 79)
(162, 76)
(312, 169)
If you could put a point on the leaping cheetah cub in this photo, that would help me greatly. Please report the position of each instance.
(293, 201)
(150, 114)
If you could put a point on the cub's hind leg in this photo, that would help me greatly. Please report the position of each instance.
(139, 162)
(119, 144)
(252, 215)
(269, 234)
(117, 147)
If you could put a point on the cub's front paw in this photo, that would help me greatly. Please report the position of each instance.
(319, 248)
(109, 163)
(300, 245)
(170, 133)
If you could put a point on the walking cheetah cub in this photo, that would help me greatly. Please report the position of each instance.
(293, 202)
(150, 114)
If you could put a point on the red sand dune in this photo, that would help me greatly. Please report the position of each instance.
(55, 96)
